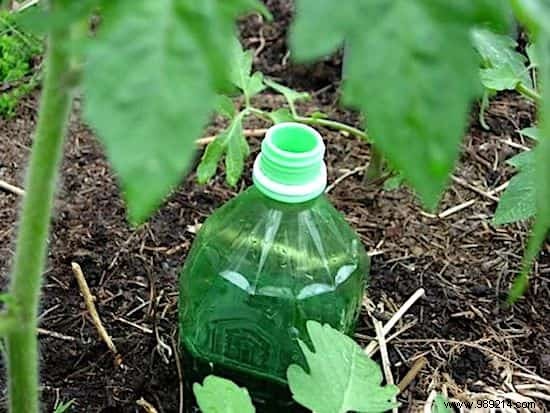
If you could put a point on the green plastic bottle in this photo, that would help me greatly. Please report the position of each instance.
(263, 264)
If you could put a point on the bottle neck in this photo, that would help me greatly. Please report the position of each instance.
(290, 167)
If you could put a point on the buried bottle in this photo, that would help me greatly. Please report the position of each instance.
(263, 264)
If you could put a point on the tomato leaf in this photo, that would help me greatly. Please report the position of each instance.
(141, 78)
(518, 202)
(535, 14)
(532, 133)
(241, 73)
(225, 106)
(410, 67)
(503, 67)
(341, 377)
(219, 395)
(209, 161)
(234, 159)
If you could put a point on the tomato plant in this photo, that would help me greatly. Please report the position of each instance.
(153, 73)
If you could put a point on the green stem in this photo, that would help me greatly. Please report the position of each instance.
(332, 125)
(528, 92)
(375, 170)
(22, 342)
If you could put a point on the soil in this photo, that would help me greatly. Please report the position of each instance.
(473, 343)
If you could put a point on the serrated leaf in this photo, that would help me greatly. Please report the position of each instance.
(518, 202)
(149, 81)
(441, 405)
(245, 147)
(219, 395)
(290, 95)
(500, 78)
(281, 115)
(225, 106)
(535, 14)
(209, 161)
(255, 84)
(523, 161)
(503, 67)
(532, 133)
(234, 158)
(341, 377)
(410, 68)
(241, 70)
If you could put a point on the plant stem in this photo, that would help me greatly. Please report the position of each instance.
(332, 125)
(528, 92)
(375, 170)
(22, 342)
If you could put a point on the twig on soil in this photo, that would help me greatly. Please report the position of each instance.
(55, 335)
(148, 407)
(456, 208)
(386, 365)
(89, 301)
(477, 190)
(412, 373)
(180, 373)
(11, 188)
(247, 132)
(143, 329)
(373, 345)
(344, 176)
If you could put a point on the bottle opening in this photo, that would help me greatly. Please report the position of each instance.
(290, 167)
(295, 138)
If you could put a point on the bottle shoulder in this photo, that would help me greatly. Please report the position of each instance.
(248, 237)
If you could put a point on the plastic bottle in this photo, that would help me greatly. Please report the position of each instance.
(263, 264)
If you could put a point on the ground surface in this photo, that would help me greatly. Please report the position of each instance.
(473, 344)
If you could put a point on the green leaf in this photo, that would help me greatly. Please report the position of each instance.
(393, 183)
(39, 20)
(235, 157)
(534, 59)
(225, 106)
(409, 67)
(503, 67)
(209, 161)
(150, 82)
(518, 202)
(532, 133)
(241, 71)
(341, 377)
(500, 78)
(255, 84)
(245, 147)
(63, 407)
(440, 405)
(219, 395)
(535, 14)
(290, 95)
(281, 115)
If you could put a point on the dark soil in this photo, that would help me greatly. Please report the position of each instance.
(471, 340)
